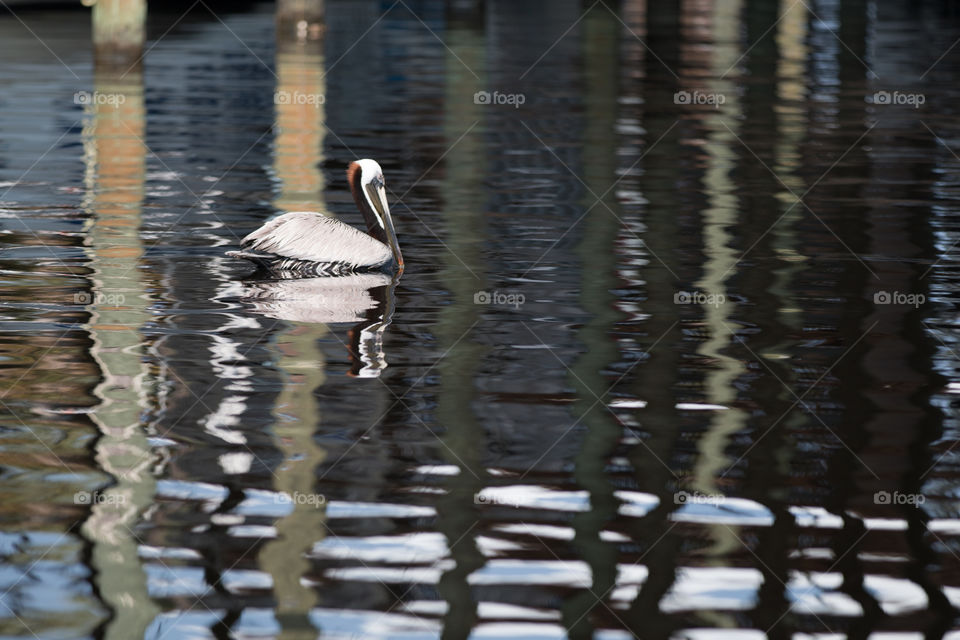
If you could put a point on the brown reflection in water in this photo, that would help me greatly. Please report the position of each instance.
(44, 374)
(299, 103)
(115, 154)
(298, 153)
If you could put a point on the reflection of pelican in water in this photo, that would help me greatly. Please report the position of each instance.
(366, 299)
(311, 244)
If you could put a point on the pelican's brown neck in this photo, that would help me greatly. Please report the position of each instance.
(373, 227)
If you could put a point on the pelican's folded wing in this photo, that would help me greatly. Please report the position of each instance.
(315, 237)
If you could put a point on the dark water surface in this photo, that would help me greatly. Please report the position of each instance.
(675, 354)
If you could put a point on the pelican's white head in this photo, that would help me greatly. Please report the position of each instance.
(372, 185)
(369, 192)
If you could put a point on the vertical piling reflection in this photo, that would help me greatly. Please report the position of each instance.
(299, 103)
(115, 156)
(905, 425)
(768, 216)
(854, 463)
(653, 461)
(296, 413)
(719, 216)
(463, 436)
(298, 153)
(599, 235)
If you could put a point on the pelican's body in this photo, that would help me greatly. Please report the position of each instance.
(305, 243)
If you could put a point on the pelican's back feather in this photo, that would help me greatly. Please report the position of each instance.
(314, 237)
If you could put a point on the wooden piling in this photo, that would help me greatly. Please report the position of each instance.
(299, 21)
(119, 32)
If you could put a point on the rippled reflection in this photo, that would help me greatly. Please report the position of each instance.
(365, 300)
(118, 300)
(644, 375)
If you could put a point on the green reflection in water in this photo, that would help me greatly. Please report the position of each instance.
(462, 439)
(600, 229)
(720, 265)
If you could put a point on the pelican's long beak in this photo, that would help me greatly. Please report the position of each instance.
(377, 196)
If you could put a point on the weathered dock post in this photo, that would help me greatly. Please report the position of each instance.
(299, 20)
(119, 31)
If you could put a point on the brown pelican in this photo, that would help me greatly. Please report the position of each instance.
(305, 243)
